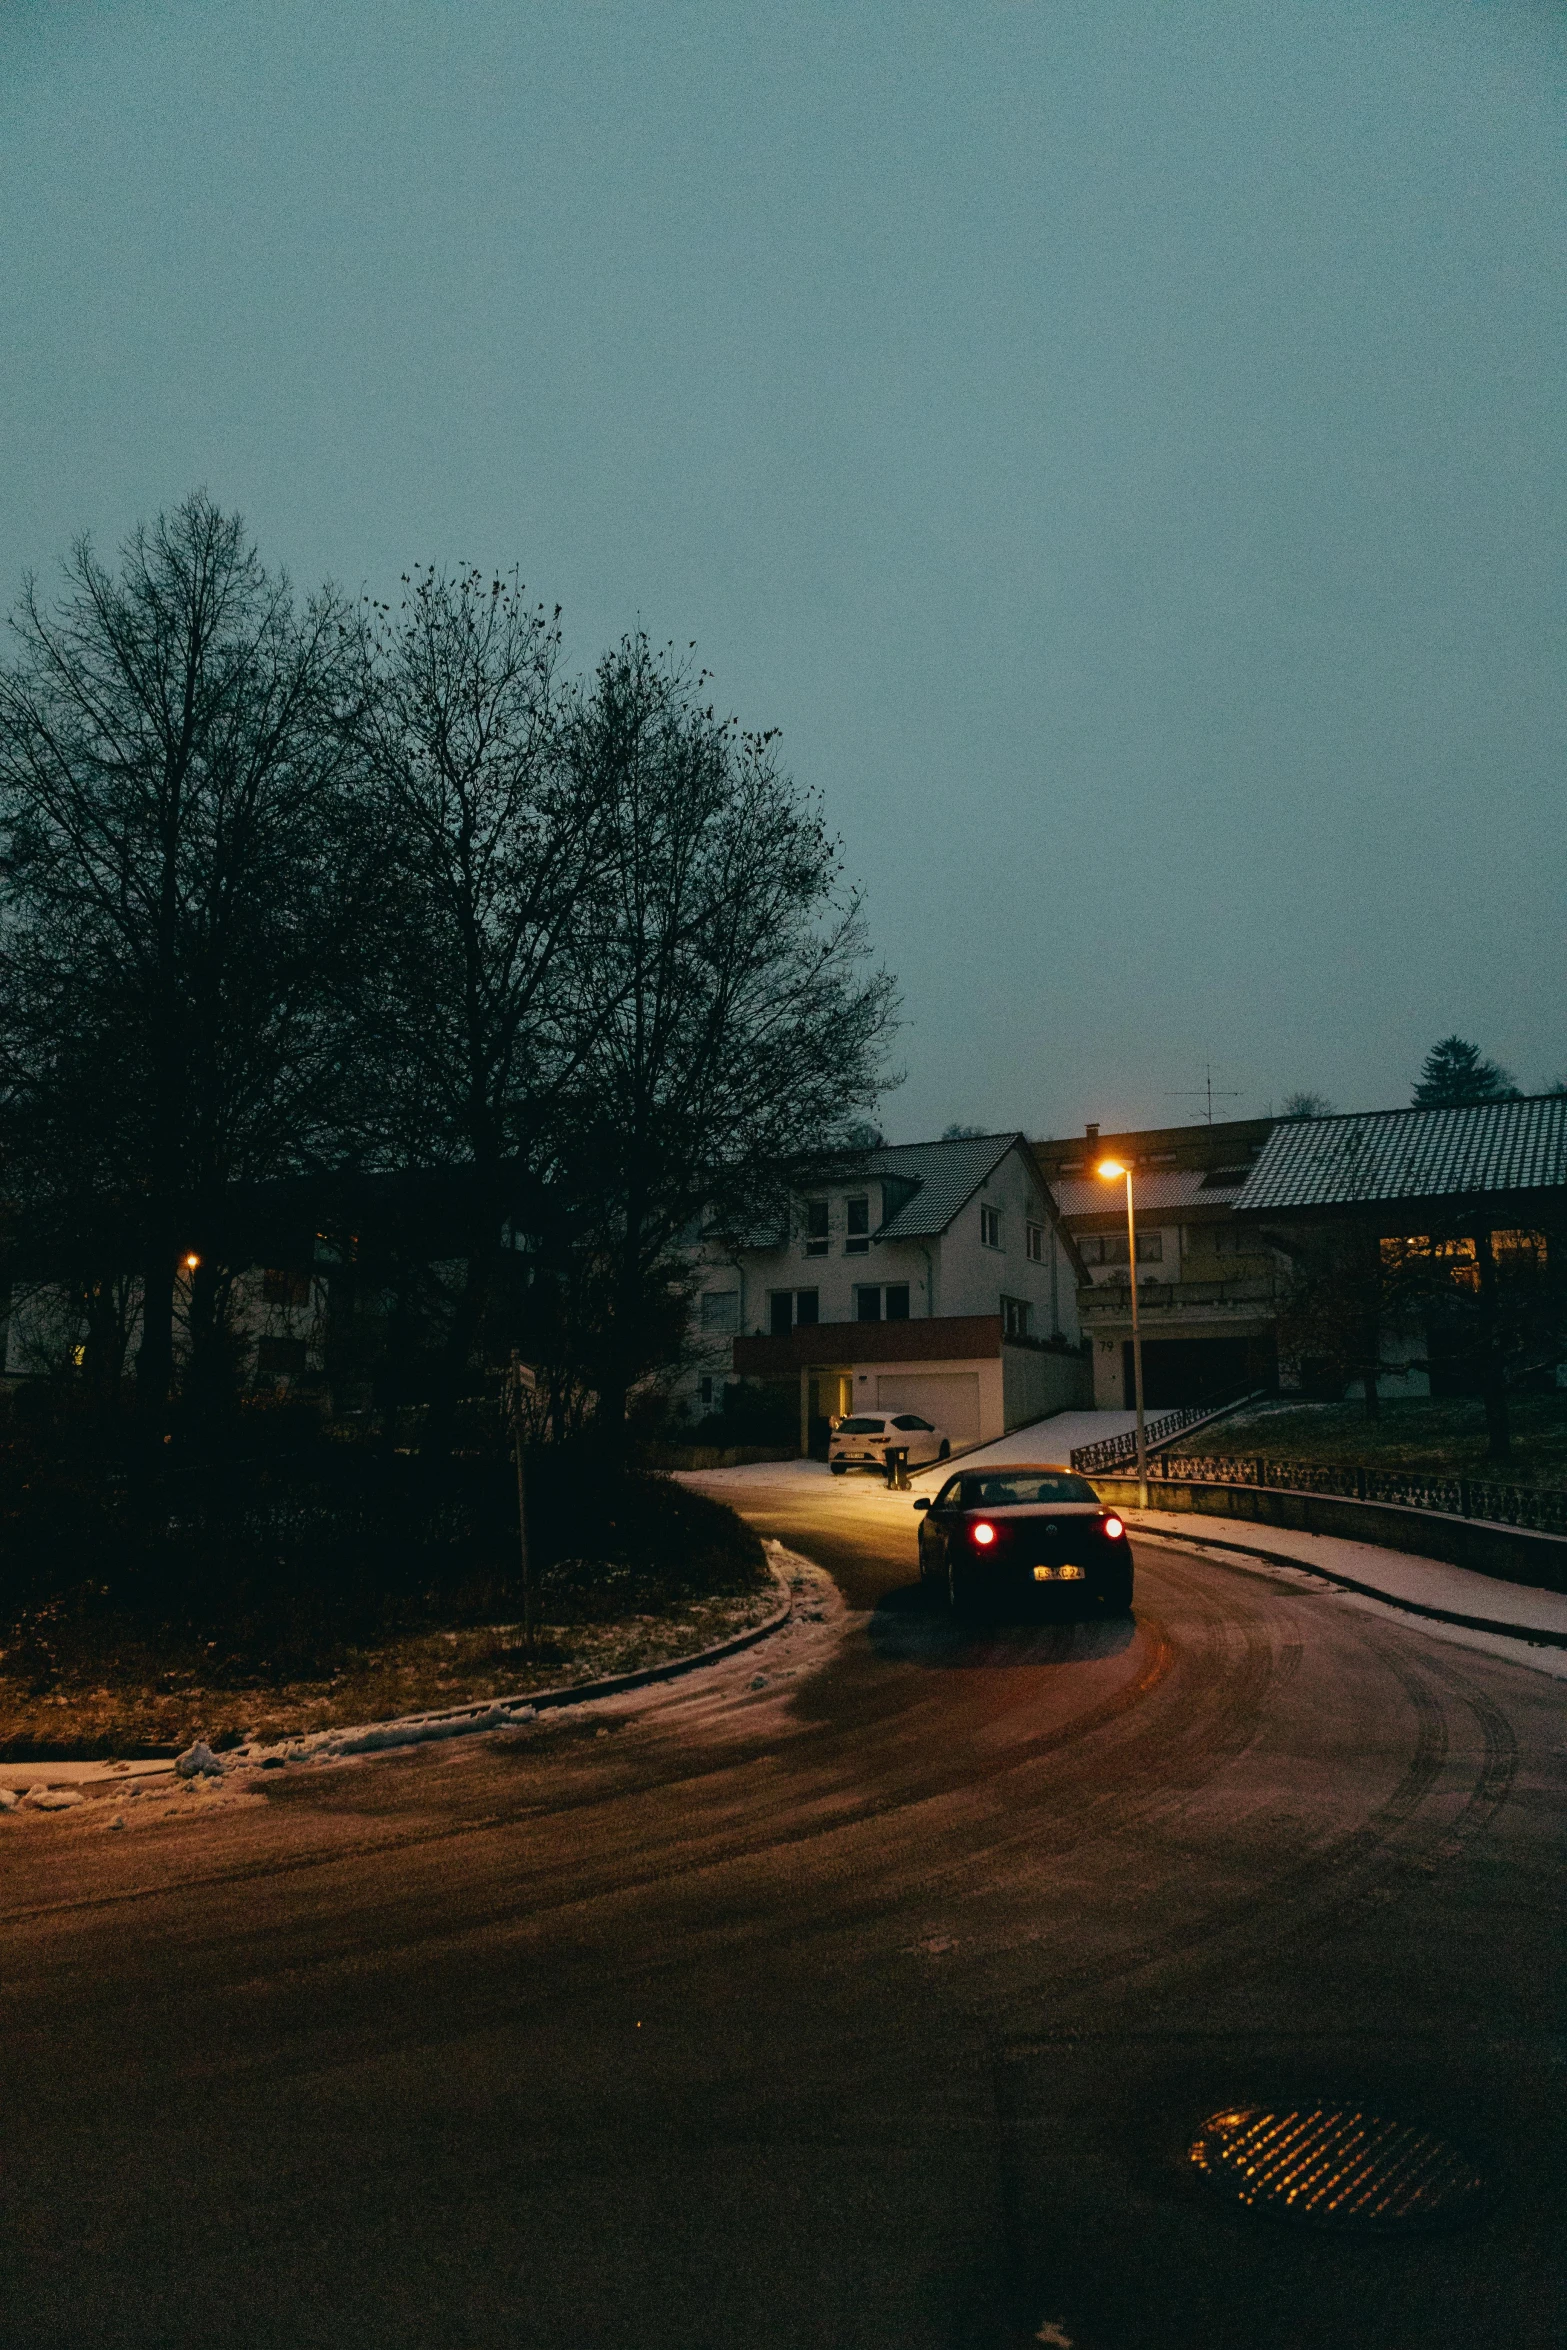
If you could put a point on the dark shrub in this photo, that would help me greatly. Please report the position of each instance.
(275, 1562)
(612, 1544)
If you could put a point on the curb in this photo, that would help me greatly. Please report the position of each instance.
(493, 1713)
(1534, 1635)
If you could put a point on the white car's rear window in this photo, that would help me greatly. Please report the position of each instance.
(862, 1427)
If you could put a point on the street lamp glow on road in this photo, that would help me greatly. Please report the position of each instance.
(1112, 1170)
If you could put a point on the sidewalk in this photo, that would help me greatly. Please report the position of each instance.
(1480, 1605)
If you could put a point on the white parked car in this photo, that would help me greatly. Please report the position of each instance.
(864, 1441)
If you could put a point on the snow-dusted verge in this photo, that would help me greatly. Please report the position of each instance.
(199, 1763)
(505, 1713)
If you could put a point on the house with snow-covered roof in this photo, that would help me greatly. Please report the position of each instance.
(933, 1277)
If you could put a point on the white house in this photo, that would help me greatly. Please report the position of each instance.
(931, 1276)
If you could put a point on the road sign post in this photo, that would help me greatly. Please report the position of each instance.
(521, 1382)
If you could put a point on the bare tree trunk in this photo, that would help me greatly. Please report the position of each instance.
(155, 1355)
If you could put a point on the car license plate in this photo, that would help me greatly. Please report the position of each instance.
(1058, 1574)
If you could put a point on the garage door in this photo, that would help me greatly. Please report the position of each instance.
(949, 1398)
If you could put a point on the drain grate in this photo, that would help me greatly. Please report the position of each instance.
(1333, 2167)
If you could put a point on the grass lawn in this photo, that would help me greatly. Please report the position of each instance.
(127, 1704)
(1445, 1438)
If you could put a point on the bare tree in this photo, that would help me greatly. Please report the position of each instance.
(497, 843)
(730, 1020)
(1494, 1304)
(1336, 1312)
(186, 873)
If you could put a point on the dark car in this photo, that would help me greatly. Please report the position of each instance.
(998, 1541)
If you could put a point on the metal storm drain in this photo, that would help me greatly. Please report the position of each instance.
(1333, 2167)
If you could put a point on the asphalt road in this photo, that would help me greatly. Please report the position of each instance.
(875, 2005)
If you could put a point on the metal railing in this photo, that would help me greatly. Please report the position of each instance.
(1111, 1451)
(1246, 1293)
(1541, 1508)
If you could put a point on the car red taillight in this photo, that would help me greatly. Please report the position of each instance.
(1114, 1528)
(983, 1534)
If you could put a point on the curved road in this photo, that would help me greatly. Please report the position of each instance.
(876, 2005)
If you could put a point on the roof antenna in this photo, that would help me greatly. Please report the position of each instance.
(1207, 1093)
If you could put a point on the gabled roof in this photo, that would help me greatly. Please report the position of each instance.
(1417, 1154)
(926, 1184)
(948, 1175)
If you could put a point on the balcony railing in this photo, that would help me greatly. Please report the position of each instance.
(1163, 1297)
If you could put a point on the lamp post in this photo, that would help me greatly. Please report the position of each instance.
(1110, 1169)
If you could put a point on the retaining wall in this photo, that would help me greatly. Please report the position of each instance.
(1513, 1554)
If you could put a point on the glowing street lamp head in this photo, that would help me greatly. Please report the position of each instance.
(192, 1261)
(1110, 1169)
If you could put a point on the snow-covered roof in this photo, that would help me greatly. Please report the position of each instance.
(1153, 1188)
(1503, 1146)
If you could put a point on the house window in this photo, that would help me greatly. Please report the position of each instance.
(790, 1307)
(876, 1304)
(720, 1309)
(279, 1287)
(1035, 1236)
(1109, 1248)
(990, 1227)
(1014, 1317)
(859, 1241)
(816, 1227)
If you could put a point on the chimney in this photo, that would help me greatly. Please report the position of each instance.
(1093, 1138)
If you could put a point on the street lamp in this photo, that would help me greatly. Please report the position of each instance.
(1110, 1169)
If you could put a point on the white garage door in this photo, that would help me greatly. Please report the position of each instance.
(949, 1398)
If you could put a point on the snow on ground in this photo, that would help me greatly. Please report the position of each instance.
(1394, 1574)
(1053, 1440)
